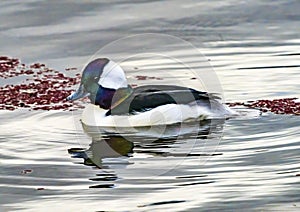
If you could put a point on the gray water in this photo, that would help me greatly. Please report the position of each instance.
(242, 164)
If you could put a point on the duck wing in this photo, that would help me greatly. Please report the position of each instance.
(145, 98)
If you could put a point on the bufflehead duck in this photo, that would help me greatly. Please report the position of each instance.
(115, 103)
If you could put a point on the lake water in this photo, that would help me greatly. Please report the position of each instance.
(246, 163)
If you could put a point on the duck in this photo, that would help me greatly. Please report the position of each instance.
(115, 103)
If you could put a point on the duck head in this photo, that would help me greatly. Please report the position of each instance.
(101, 80)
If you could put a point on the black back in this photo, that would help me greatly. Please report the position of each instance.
(148, 97)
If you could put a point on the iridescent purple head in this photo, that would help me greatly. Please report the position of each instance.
(101, 78)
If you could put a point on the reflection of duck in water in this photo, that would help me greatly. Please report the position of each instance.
(114, 145)
(115, 103)
(111, 151)
(100, 148)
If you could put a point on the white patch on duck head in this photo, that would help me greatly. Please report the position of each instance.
(113, 76)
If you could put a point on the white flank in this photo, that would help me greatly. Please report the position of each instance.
(162, 115)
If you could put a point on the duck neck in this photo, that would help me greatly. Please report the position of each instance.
(120, 95)
(108, 98)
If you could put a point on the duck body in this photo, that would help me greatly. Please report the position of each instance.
(148, 97)
(114, 103)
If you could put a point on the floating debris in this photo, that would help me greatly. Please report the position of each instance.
(277, 106)
(26, 171)
(134, 85)
(142, 77)
(71, 69)
(46, 89)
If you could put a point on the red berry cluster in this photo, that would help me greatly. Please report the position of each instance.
(44, 89)
(10, 67)
(278, 106)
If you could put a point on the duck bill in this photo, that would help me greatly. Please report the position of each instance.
(80, 93)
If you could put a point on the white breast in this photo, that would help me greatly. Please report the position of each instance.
(113, 76)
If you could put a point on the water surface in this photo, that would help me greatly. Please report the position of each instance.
(254, 49)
